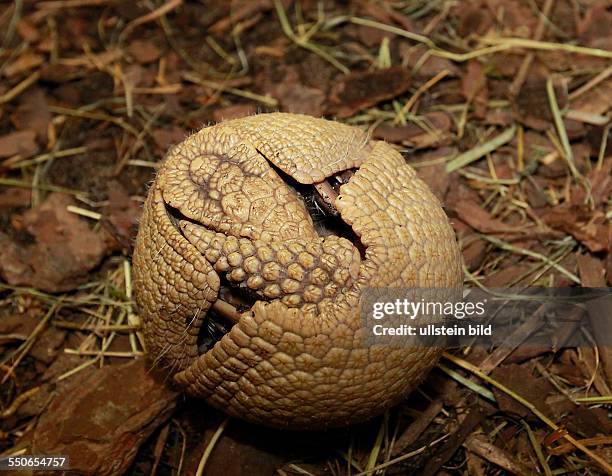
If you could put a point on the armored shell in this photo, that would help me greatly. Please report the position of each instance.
(227, 212)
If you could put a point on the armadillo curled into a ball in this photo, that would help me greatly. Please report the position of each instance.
(286, 219)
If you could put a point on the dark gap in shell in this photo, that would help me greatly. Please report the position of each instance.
(211, 331)
(326, 223)
(215, 325)
(175, 215)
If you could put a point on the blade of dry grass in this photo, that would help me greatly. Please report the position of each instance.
(84, 212)
(587, 117)
(49, 188)
(194, 78)
(556, 113)
(480, 151)
(303, 41)
(375, 451)
(96, 116)
(392, 29)
(45, 157)
(603, 399)
(59, 4)
(602, 146)
(18, 401)
(424, 87)
(25, 347)
(480, 446)
(547, 46)
(591, 83)
(405, 456)
(518, 81)
(109, 353)
(210, 447)
(532, 254)
(149, 17)
(473, 386)
(20, 87)
(537, 448)
(433, 49)
(476, 371)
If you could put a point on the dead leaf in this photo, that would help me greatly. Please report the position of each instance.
(592, 272)
(144, 51)
(479, 219)
(519, 17)
(235, 111)
(596, 21)
(296, 97)
(359, 90)
(472, 419)
(533, 106)
(588, 226)
(474, 19)
(33, 114)
(63, 251)
(474, 252)
(474, 87)
(576, 130)
(121, 215)
(435, 133)
(521, 380)
(22, 143)
(434, 130)
(436, 177)
(100, 420)
(508, 275)
(167, 136)
(300, 99)
(25, 62)
(48, 345)
(27, 30)
(424, 65)
(474, 80)
(597, 100)
(15, 198)
(589, 421)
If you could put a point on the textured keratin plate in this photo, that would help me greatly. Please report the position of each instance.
(227, 214)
